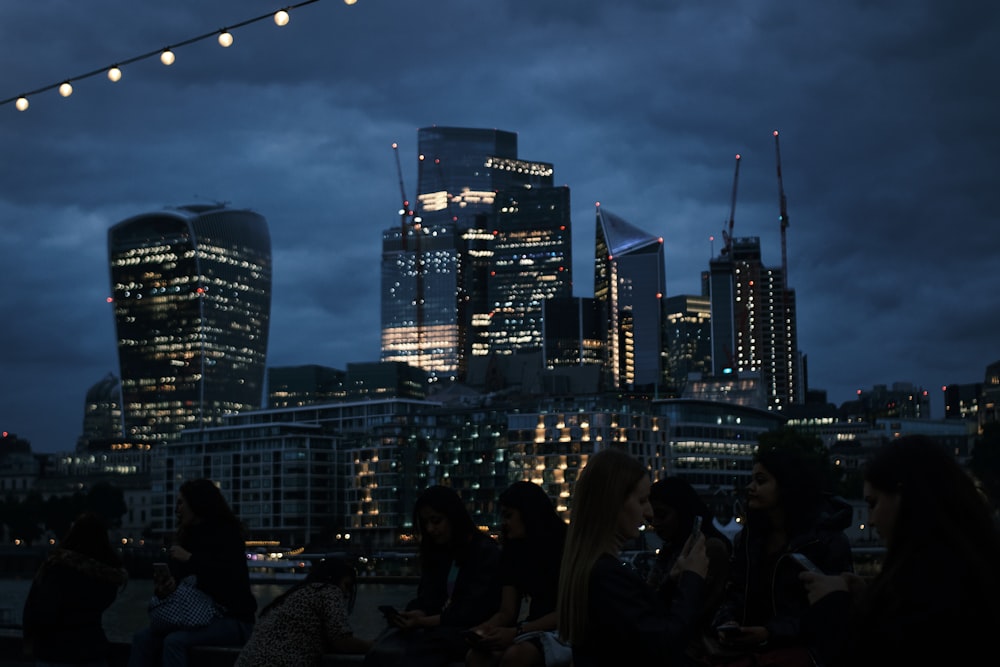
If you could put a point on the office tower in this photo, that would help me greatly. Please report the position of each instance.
(629, 283)
(295, 386)
(688, 338)
(102, 416)
(191, 288)
(436, 264)
(531, 263)
(754, 323)
(573, 333)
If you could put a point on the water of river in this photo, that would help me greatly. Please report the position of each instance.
(128, 614)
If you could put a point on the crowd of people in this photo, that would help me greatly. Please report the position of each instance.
(549, 593)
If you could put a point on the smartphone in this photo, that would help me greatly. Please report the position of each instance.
(806, 563)
(696, 526)
(472, 636)
(161, 572)
(388, 611)
(729, 630)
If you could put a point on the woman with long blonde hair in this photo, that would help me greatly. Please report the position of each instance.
(607, 612)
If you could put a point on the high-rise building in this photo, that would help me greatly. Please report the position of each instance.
(753, 322)
(102, 416)
(437, 264)
(629, 285)
(573, 333)
(531, 263)
(191, 289)
(688, 338)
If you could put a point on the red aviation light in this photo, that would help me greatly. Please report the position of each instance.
(562, 228)
(659, 295)
(110, 299)
(200, 290)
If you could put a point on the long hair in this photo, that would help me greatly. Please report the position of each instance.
(444, 500)
(327, 571)
(602, 488)
(939, 502)
(800, 486)
(208, 505)
(89, 536)
(678, 494)
(542, 523)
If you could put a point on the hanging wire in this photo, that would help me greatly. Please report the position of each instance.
(117, 65)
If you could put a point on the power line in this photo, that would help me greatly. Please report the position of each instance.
(166, 55)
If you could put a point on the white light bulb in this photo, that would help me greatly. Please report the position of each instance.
(225, 39)
(21, 103)
(281, 17)
(114, 74)
(167, 57)
(65, 89)
(350, 2)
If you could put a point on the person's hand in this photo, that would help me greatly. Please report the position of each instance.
(415, 618)
(743, 636)
(819, 586)
(164, 587)
(495, 638)
(693, 556)
(177, 552)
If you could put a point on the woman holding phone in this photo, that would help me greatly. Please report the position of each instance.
(934, 600)
(210, 545)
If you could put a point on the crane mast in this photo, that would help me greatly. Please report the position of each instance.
(783, 212)
(727, 236)
(408, 219)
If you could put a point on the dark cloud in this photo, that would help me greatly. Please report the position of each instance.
(887, 116)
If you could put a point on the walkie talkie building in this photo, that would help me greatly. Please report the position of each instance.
(191, 289)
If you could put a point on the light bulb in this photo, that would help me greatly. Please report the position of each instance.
(114, 74)
(225, 39)
(167, 57)
(21, 103)
(281, 17)
(65, 89)
(350, 2)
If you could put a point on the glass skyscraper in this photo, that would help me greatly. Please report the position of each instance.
(191, 289)
(629, 285)
(440, 280)
(754, 322)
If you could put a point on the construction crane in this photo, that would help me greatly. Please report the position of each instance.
(782, 214)
(727, 236)
(408, 220)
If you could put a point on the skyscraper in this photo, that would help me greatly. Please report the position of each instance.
(438, 270)
(754, 323)
(629, 284)
(688, 338)
(191, 288)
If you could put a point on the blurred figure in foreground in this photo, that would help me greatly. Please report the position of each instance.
(307, 621)
(77, 582)
(936, 599)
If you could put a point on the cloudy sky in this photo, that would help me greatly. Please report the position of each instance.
(889, 147)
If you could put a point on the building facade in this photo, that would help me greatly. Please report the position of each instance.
(441, 286)
(754, 323)
(191, 291)
(629, 286)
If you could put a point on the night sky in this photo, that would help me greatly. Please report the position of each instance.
(887, 113)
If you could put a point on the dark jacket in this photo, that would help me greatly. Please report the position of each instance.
(65, 605)
(219, 561)
(932, 609)
(476, 594)
(753, 579)
(628, 623)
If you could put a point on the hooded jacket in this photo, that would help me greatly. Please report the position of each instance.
(64, 608)
(823, 542)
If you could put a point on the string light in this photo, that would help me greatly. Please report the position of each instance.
(166, 55)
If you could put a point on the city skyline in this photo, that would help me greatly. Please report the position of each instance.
(887, 154)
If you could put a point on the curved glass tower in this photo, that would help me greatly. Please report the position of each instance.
(191, 289)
